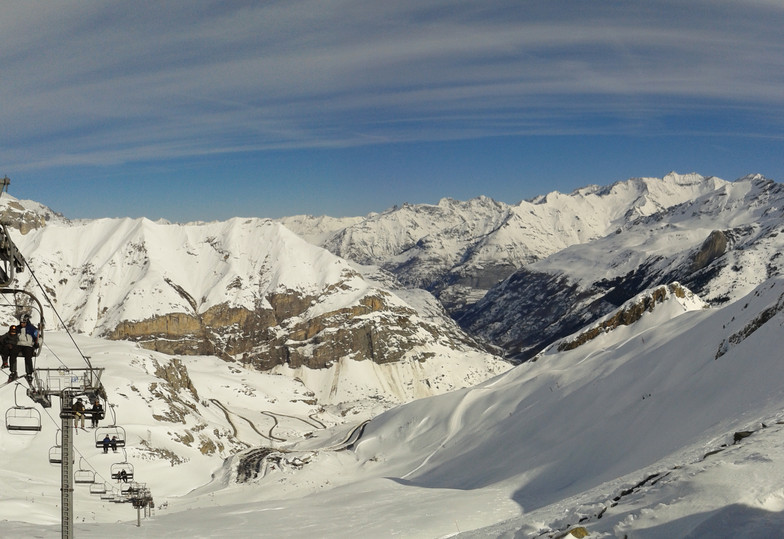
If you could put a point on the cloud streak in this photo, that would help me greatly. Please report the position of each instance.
(111, 82)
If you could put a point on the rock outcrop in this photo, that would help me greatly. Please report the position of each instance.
(627, 315)
(373, 329)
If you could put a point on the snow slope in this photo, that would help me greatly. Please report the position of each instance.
(632, 433)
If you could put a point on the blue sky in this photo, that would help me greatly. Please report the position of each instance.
(195, 110)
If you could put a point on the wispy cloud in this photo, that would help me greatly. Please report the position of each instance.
(93, 82)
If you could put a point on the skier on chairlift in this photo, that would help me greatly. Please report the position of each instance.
(25, 346)
(78, 411)
(96, 413)
(7, 344)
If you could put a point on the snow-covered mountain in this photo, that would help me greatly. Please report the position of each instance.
(246, 290)
(720, 245)
(522, 276)
(653, 410)
(459, 250)
(668, 425)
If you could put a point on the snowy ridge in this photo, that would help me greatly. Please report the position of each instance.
(459, 250)
(650, 309)
(720, 245)
(104, 271)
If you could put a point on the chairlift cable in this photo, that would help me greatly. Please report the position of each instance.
(57, 314)
(53, 353)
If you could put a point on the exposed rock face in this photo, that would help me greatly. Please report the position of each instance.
(626, 316)
(174, 380)
(267, 337)
(713, 247)
(24, 219)
(758, 321)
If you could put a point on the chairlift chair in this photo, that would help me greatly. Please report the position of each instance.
(112, 431)
(56, 451)
(84, 476)
(56, 454)
(22, 419)
(119, 467)
(89, 413)
(98, 488)
(136, 489)
(22, 302)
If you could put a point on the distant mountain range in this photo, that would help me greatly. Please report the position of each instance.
(523, 276)
(308, 291)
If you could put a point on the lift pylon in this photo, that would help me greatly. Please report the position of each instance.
(67, 384)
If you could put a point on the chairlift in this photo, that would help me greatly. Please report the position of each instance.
(22, 419)
(142, 498)
(118, 468)
(84, 476)
(22, 303)
(136, 489)
(56, 454)
(90, 413)
(11, 260)
(98, 488)
(56, 451)
(114, 434)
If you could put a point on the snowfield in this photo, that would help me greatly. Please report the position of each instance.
(642, 432)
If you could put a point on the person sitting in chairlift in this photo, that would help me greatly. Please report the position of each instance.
(106, 442)
(114, 443)
(78, 410)
(97, 413)
(8, 343)
(123, 476)
(26, 345)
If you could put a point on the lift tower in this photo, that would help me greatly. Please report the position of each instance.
(63, 382)
(66, 384)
